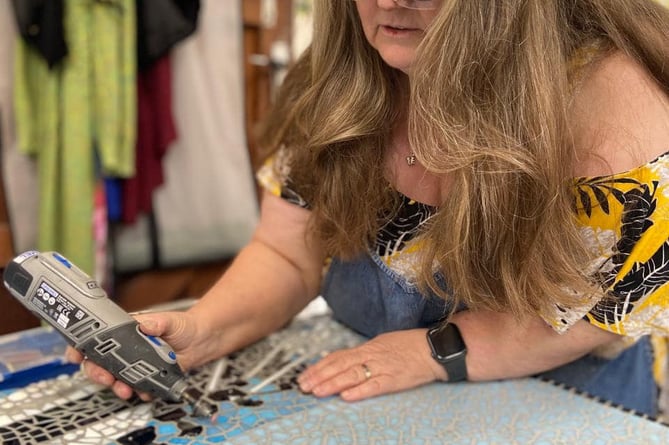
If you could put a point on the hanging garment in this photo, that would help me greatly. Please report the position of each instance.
(155, 131)
(40, 23)
(161, 24)
(65, 116)
(207, 208)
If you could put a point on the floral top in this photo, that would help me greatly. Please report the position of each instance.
(625, 223)
(625, 220)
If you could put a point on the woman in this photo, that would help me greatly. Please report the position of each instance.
(487, 184)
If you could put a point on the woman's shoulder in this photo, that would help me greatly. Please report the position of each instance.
(619, 116)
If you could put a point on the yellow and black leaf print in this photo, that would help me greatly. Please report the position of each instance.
(401, 226)
(601, 188)
(638, 208)
(625, 223)
(639, 204)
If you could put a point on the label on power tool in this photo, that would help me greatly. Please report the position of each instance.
(56, 306)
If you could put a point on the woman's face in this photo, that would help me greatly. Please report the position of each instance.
(393, 30)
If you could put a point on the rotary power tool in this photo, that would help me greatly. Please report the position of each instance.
(72, 302)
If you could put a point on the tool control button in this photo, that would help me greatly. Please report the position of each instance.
(154, 340)
(172, 355)
(63, 260)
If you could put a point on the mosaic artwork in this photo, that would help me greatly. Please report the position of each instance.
(259, 403)
(253, 387)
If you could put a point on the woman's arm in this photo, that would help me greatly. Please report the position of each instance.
(619, 118)
(270, 281)
(498, 347)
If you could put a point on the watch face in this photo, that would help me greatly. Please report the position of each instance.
(446, 342)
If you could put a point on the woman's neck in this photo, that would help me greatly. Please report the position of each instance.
(404, 171)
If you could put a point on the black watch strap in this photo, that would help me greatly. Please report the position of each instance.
(456, 369)
(449, 350)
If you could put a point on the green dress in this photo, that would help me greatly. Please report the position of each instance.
(78, 120)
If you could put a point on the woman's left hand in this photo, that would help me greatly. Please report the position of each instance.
(388, 363)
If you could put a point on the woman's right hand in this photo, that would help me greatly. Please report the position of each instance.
(178, 329)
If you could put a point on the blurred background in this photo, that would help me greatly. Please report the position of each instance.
(127, 136)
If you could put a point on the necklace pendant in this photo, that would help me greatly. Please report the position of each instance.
(411, 160)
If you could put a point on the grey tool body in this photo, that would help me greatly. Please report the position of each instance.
(74, 304)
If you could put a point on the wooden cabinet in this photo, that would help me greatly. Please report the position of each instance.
(267, 23)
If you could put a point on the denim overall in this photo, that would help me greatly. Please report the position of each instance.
(370, 298)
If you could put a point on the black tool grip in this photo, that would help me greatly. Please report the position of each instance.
(135, 359)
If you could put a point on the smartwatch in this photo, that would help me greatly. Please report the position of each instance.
(449, 350)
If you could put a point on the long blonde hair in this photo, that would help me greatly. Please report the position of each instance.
(488, 105)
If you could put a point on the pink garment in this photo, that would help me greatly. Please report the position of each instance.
(207, 208)
(100, 235)
(155, 132)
